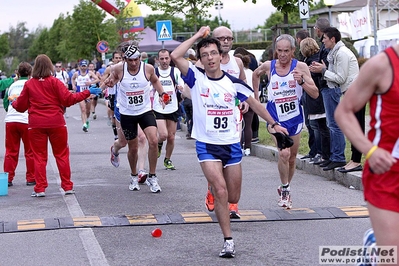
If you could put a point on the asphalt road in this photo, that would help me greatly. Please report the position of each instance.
(102, 194)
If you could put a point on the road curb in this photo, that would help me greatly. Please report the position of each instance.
(351, 180)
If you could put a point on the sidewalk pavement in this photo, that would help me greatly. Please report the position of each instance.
(351, 180)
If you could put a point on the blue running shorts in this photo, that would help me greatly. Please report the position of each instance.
(230, 154)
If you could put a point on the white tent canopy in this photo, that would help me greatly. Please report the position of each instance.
(385, 38)
(388, 33)
(388, 37)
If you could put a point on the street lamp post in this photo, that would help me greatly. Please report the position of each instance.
(329, 4)
(218, 6)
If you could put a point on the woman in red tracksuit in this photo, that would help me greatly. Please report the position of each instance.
(45, 97)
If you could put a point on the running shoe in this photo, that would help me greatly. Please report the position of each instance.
(87, 124)
(152, 182)
(228, 250)
(368, 243)
(70, 192)
(234, 214)
(84, 128)
(285, 197)
(38, 194)
(247, 152)
(142, 176)
(94, 116)
(114, 158)
(134, 183)
(210, 201)
(168, 164)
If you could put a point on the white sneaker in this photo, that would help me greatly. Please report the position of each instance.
(247, 152)
(70, 192)
(285, 197)
(114, 158)
(134, 183)
(38, 194)
(228, 250)
(152, 182)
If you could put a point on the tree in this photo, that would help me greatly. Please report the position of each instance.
(85, 30)
(192, 10)
(55, 35)
(19, 40)
(39, 45)
(4, 46)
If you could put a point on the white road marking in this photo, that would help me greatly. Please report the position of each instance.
(93, 249)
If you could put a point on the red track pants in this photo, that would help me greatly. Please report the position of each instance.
(15, 132)
(58, 138)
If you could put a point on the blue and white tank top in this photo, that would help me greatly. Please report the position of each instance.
(81, 81)
(284, 94)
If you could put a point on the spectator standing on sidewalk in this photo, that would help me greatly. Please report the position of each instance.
(342, 70)
(301, 35)
(315, 107)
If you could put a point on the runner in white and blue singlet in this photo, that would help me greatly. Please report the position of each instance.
(234, 67)
(82, 80)
(215, 94)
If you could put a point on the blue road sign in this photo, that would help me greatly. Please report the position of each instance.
(164, 30)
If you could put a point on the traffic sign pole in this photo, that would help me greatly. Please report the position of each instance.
(304, 12)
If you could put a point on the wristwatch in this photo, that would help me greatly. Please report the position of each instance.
(275, 124)
(301, 83)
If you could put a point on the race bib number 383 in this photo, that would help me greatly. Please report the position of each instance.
(134, 98)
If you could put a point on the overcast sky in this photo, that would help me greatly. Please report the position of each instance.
(43, 12)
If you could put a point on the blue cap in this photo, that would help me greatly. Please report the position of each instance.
(83, 63)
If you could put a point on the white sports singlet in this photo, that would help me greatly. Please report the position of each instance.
(214, 102)
(231, 67)
(169, 88)
(81, 81)
(134, 92)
